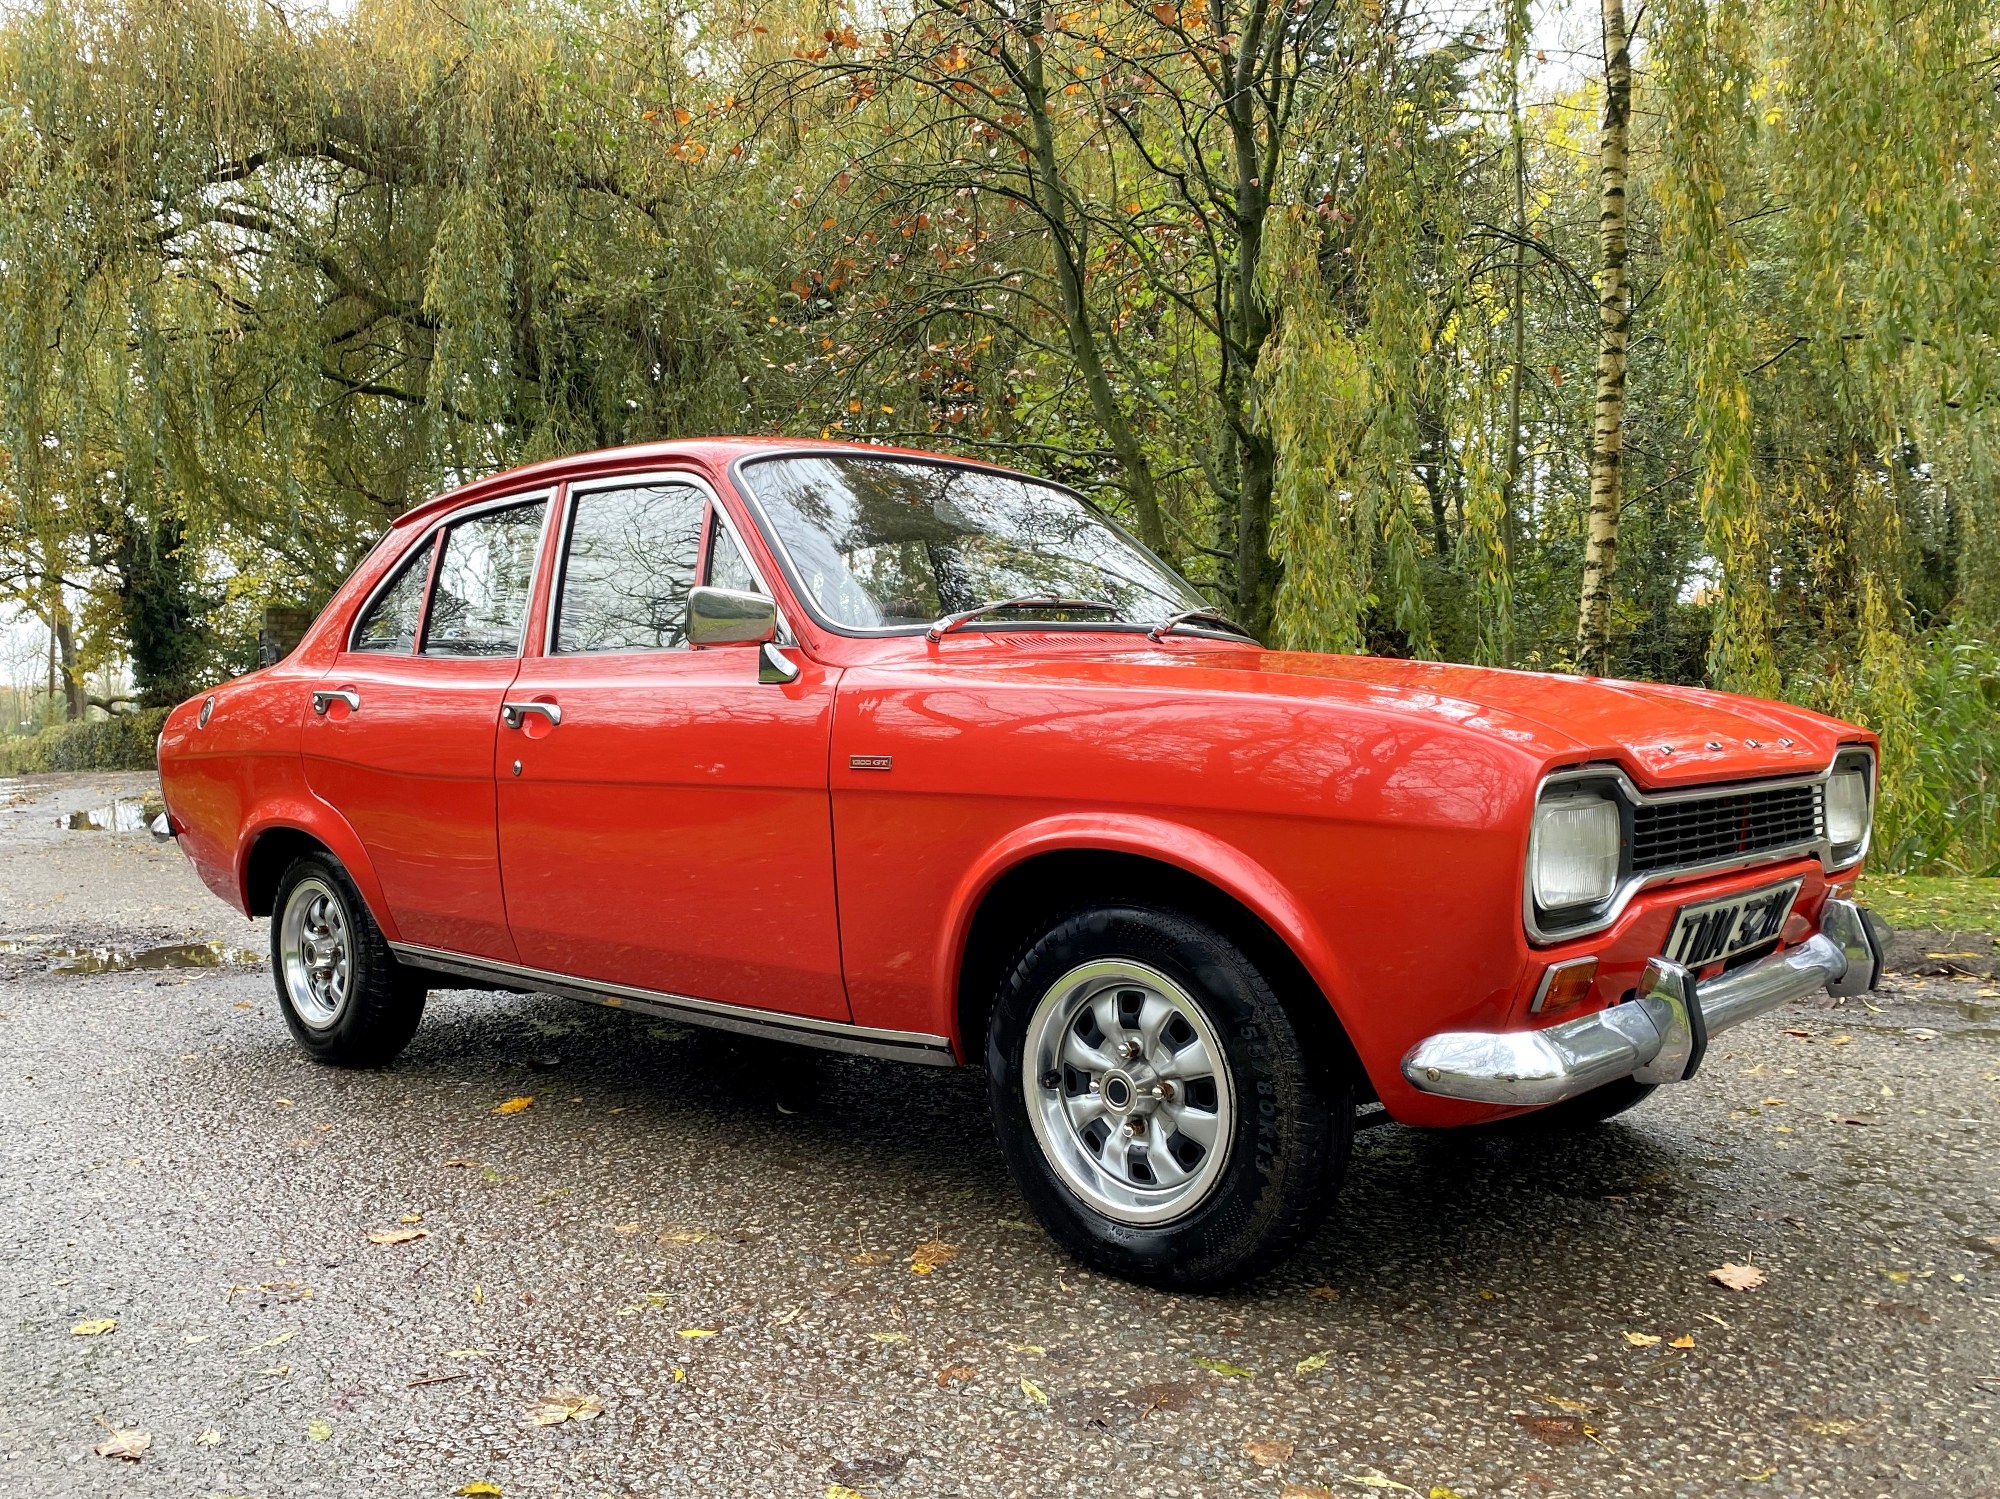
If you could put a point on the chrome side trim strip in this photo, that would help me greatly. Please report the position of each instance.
(832, 1035)
(1657, 1036)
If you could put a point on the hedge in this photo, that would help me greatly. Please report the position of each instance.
(124, 741)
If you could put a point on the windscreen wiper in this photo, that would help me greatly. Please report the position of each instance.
(1195, 619)
(951, 622)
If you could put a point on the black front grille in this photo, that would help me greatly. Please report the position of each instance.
(1709, 829)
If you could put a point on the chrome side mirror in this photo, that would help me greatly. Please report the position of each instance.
(726, 616)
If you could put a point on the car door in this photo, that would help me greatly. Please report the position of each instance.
(664, 818)
(400, 739)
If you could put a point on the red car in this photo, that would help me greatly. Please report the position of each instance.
(917, 758)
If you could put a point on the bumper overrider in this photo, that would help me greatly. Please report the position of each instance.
(1657, 1036)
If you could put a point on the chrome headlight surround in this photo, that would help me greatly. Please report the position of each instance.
(1577, 850)
(1546, 927)
(1850, 797)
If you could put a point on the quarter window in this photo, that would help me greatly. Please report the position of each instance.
(390, 625)
(480, 604)
(631, 561)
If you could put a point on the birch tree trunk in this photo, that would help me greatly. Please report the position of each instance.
(1614, 323)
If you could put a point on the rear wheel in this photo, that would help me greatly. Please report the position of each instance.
(1155, 1103)
(345, 998)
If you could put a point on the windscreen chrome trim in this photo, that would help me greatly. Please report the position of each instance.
(1607, 913)
(762, 519)
(831, 1035)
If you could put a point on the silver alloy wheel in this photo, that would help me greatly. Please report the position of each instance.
(1128, 1091)
(316, 953)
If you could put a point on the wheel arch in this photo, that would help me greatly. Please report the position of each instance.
(1025, 888)
(286, 834)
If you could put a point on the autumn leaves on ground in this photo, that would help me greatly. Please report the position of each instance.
(565, 1251)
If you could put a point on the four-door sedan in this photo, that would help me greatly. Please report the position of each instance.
(912, 757)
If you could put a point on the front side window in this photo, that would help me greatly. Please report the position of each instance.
(484, 578)
(887, 543)
(390, 625)
(631, 561)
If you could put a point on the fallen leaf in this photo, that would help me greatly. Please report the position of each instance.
(1304, 1491)
(624, 1228)
(1567, 1405)
(1227, 1370)
(1033, 1350)
(1308, 1365)
(129, 1445)
(1833, 1428)
(1377, 1481)
(870, 1257)
(1034, 1392)
(699, 1332)
(1737, 1277)
(1685, 1340)
(93, 1327)
(411, 1218)
(1642, 1339)
(889, 1337)
(1439, 1491)
(1269, 1454)
(842, 1491)
(686, 1235)
(1774, 1103)
(514, 1105)
(480, 1491)
(318, 1429)
(956, 1376)
(1764, 1477)
(559, 1406)
(928, 1255)
(1326, 1293)
(396, 1235)
(208, 1436)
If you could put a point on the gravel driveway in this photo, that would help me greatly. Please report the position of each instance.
(740, 1270)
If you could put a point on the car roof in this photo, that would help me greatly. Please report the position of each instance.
(716, 452)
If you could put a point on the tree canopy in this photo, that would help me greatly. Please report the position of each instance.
(1317, 296)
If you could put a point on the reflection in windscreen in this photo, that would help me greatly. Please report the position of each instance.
(881, 541)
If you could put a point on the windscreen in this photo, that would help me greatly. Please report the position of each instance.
(886, 542)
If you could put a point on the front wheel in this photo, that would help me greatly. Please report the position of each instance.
(1156, 1105)
(346, 999)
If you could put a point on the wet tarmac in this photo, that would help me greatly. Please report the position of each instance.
(748, 1271)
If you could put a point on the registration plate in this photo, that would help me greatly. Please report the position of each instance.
(1719, 929)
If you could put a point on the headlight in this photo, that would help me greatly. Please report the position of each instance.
(1576, 850)
(1847, 808)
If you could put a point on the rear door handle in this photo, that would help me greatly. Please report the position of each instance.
(512, 714)
(324, 698)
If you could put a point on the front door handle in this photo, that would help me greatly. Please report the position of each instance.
(325, 698)
(512, 714)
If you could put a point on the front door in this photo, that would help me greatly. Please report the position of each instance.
(664, 817)
(400, 739)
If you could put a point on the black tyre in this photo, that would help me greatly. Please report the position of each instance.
(1155, 1103)
(1586, 1109)
(345, 997)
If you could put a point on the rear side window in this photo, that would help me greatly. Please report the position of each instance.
(484, 578)
(631, 561)
(390, 625)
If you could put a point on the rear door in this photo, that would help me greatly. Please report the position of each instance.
(664, 820)
(401, 734)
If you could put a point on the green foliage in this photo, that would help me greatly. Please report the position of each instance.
(124, 741)
(1303, 291)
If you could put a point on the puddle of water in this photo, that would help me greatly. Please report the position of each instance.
(134, 959)
(119, 817)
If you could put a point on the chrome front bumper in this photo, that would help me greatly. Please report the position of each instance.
(1657, 1036)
